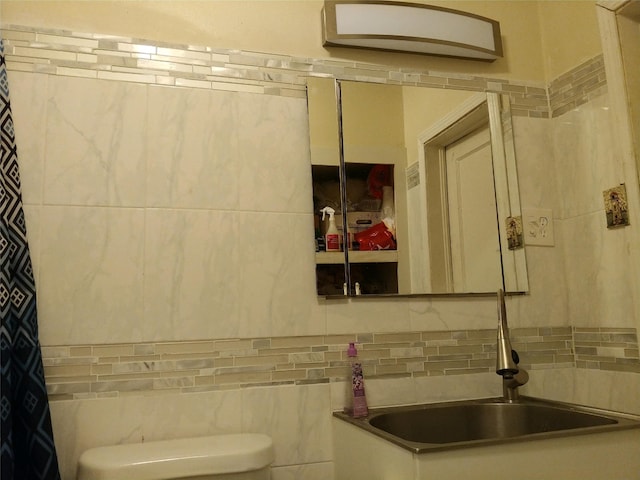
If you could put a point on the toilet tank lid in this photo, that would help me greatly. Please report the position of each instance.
(167, 459)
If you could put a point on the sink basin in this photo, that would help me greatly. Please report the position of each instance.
(462, 423)
(477, 422)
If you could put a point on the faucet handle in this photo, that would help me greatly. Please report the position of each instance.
(515, 356)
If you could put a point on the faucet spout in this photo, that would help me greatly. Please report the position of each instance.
(506, 364)
(506, 357)
(510, 385)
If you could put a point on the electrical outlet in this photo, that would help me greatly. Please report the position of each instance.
(538, 226)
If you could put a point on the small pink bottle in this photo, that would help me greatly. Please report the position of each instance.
(359, 400)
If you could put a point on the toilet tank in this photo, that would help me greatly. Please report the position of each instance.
(244, 456)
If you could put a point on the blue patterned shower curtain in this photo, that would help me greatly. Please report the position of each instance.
(28, 451)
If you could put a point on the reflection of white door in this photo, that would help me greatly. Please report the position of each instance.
(475, 250)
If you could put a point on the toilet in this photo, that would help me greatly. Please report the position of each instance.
(245, 456)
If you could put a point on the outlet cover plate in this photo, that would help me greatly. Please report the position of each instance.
(538, 226)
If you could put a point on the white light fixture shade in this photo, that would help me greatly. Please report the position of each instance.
(410, 27)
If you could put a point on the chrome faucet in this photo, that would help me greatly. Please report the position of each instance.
(507, 358)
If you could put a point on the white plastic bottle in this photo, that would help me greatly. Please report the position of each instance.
(332, 237)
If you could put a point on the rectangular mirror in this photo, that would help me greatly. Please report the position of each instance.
(424, 180)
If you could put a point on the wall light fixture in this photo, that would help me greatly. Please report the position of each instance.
(410, 27)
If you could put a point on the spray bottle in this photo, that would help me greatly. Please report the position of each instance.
(332, 237)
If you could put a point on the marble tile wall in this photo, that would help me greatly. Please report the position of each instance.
(602, 285)
(597, 263)
(100, 191)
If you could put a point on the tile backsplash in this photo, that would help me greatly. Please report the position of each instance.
(94, 371)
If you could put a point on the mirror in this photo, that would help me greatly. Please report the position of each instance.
(434, 167)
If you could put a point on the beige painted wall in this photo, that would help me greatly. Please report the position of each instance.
(323, 121)
(629, 28)
(372, 115)
(293, 27)
(423, 107)
(565, 28)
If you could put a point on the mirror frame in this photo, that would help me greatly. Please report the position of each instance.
(513, 262)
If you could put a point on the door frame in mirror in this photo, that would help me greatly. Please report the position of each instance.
(477, 110)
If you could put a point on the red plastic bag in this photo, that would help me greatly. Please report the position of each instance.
(377, 237)
(379, 176)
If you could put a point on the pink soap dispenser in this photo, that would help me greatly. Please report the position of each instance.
(358, 399)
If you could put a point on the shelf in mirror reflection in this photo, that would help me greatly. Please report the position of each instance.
(356, 256)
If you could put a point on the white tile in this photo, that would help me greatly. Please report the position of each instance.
(65, 40)
(273, 154)
(192, 259)
(162, 65)
(127, 77)
(235, 87)
(87, 58)
(367, 315)
(19, 65)
(548, 278)
(611, 390)
(309, 471)
(29, 107)
(137, 48)
(457, 387)
(79, 425)
(297, 419)
(226, 150)
(91, 274)
(186, 82)
(534, 156)
(598, 260)
(584, 165)
(95, 143)
(220, 57)
(44, 53)
(454, 314)
(165, 80)
(107, 56)
(192, 146)
(193, 415)
(383, 393)
(77, 72)
(276, 276)
(8, 34)
(180, 53)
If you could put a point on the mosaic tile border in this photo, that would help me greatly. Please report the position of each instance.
(94, 371)
(108, 57)
(578, 86)
(614, 349)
